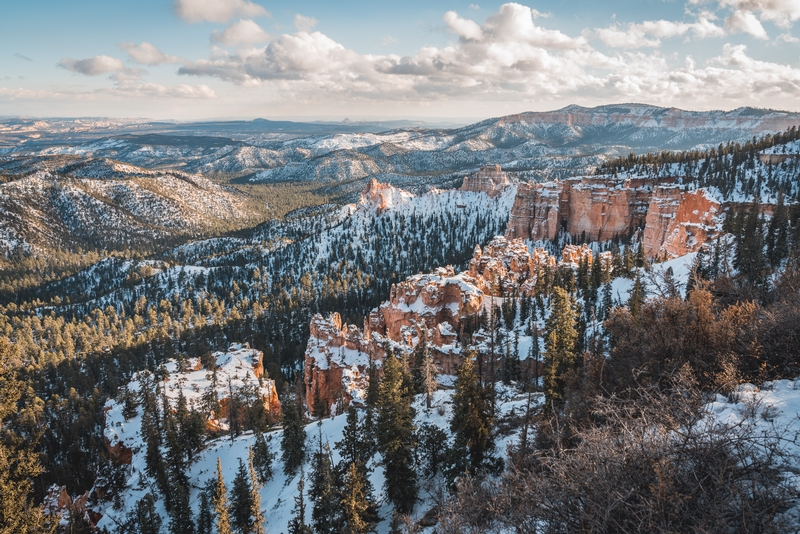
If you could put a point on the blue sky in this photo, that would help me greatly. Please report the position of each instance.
(196, 59)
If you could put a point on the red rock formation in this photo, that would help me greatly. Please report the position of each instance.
(595, 208)
(535, 212)
(382, 196)
(679, 222)
(118, 453)
(337, 356)
(776, 159)
(490, 179)
(575, 254)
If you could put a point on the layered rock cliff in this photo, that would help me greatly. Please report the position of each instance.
(675, 221)
(490, 179)
(432, 306)
(679, 222)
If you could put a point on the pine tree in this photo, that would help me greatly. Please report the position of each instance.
(241, 495)
(263, 457)
(323, 494)
(355, 505)
(560, 339)
(428, 374)
(395, 435)
(19, 464)
(293, 442)
(144, 519)
(637, 298)
(256, 515)
(472, 421)
(220, 501)
(351, 447)
(205, 520)
(297, 524)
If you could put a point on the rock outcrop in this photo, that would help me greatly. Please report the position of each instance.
(679, 222)
(593, 208)
(432, 306)
(675, 221)
(382, 197)
(490, 179)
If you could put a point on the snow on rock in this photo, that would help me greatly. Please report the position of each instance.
(238, 367)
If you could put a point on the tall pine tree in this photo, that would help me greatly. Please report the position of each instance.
(560, 338)
(395, 435)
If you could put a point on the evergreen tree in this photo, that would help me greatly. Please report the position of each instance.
(205, 520)
(395, 435)
(256, 515)
(351, 447)
(293, 442)
(263, 457)
(297, 524)
(637, 299)
(220, 501)
(472, 421)
(560, 338)
(355, 505)
(241, 504)
(143, 518)
(19, 464)
(323, 494)
(428, 374)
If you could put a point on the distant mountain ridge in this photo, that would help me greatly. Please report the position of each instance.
(534, 145)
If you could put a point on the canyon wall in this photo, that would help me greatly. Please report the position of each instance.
(675, 221)
(338, 356)
(679, 222)
(490, 179)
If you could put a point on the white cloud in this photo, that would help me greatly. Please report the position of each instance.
(788, 38)
(93, 66)
(388, 40)
(746, 22)
(146, 54)
(464, 28)
(648, 34)
(507, 59)
(125, 91)
(243, 32)
(216, 10)
(304, 24)
(781, 12)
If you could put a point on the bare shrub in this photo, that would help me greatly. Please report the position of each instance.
(653, 461)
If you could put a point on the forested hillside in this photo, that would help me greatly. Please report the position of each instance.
(590, 353)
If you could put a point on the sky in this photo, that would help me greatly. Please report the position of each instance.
(415, 59)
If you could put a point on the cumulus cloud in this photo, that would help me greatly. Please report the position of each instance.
(93, 66)
(303, 23)
(649, 33)
(216, 10)
(243, 32)
(146, 54)
(466, 29)
(508, 57)
(746, 22)
(788, 38)
(781, 12)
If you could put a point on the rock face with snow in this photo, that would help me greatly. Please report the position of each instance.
(490, 179)
(426, 306)
(597, 208)
(382, 197)
(679, 222)
(675, 221)
(240, 368)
